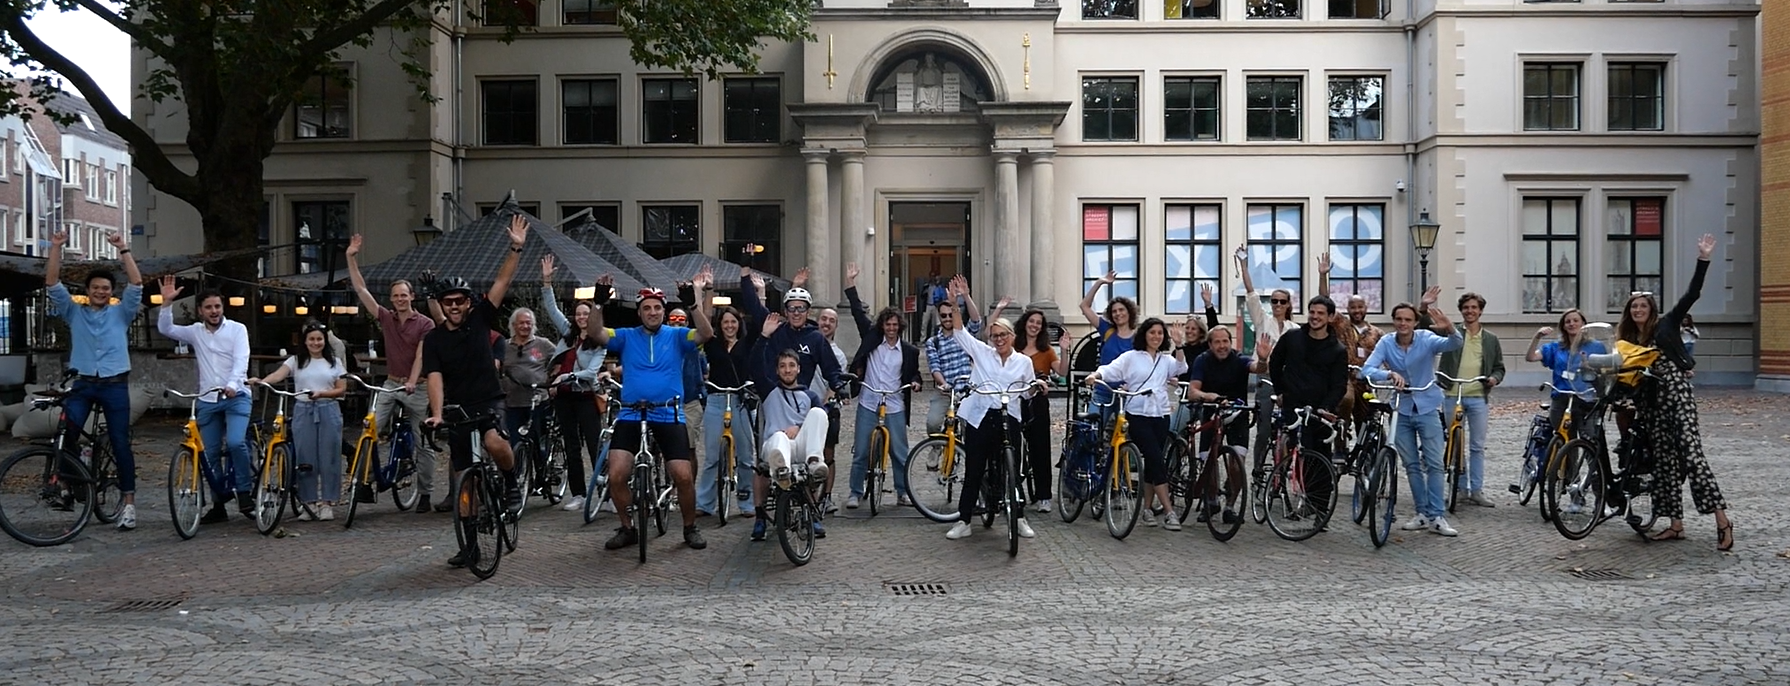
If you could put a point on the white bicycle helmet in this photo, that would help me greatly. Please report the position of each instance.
(797, 294)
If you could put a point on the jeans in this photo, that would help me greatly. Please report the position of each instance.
(742, 450)
(317, 440)
(860, 463)
(225, 424)
(935, 415)
(513, 419)
(416, 409)
(1477, 412)
(115, 400)
(1424, 471)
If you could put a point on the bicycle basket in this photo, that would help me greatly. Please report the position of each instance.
(1624, 365)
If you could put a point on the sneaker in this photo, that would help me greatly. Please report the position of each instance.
(305, 515)
(1148, 518)
(1025, 528)
(127, 518)
(1440, 525)
(1233, 517)
(693, 538)
(245, 503)
(1170, 522)
(422, 504)
(606, 506)
(573, 504)
(903, 501)
(1417, 522)
(623, 538)
(1478, 498)
(819, 531)
(746, 510)
(444, 505)
(323, 512)
(215, 515)
(958, 530)
(828, 505)
(464, 557)
(1043, 505)
(512, 498)
(851, 503)
(758, 527)
(1204, 516)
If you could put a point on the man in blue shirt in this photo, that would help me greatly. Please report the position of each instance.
(652, 359)
(1409, 358)
(99, 353)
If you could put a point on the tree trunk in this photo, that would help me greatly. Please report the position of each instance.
(233, 188)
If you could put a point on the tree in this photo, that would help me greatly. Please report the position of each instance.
(239, 65)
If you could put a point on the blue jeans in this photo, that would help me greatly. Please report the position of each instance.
(1477, 412)
(711, 451)
(1423, 471)
(317, 439)
(225, 424)
(860, 463)
(115, 400)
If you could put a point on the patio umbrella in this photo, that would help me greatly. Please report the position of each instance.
(22, 274)
(615, 250)
(727, 274)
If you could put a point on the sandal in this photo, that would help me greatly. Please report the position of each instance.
(1724, 537)
(1675, 533)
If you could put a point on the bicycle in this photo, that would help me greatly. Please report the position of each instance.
(366, 470)
(650, 484)
(189, 476)
(727, 478)
(479, 515)
(597, 491)
(1454, 445)
(277, 483)
(794, 499)
(1376, 465)
(1536, 450)
(878, 473)
(1298, 496)
(1123, 500)
(935, 466)
(551, 484)
(1081, 467)
(1001, 490)
(1214, 476)
(47, 493)
(1576, 472)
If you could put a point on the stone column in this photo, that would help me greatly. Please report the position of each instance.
(851, 223)
(1010, 255)
(822, 261)
(1044, 197)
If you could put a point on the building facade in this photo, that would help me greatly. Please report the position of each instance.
(1572, 152)
(1774, 242)
(79, 181)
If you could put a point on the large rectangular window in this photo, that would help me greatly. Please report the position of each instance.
(1190, 9)
(608, 216)
(1109, 243)
(1550, 254)
(511, 12)
(512, 114)
(670, 229)
(532, 208)
(112, 188)
(752, 110)
(324, 108)
(669, 111)
(1193, 238)
(1355, 108)
(759, 227)
(1355, 9)
(1190, 107)
(1272, 108)
(1109, 9)
(1550, 96)
(1358, 254)
(1109, 108)
(321, 230)
(1634, 258)
(1272, 9)
(589, 12)
(1277, 248)
(1637, 96)
(589, 111)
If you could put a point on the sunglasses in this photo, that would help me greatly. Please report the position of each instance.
(676, 319)
(1280, 301)
(1633, 294)
(455, 302)
(1000, 334)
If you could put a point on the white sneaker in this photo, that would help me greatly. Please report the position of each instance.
(606, 506)
(1169, 521)
(127, 518)
(1025, 529)
(1148, 518)
(1440, 525)
(1417, 522)
(573, 504)
(323, 513)
(851, 503)
(305, 515)
(1043, 505)
(958, 530)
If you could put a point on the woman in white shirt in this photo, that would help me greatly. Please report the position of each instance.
(996, 366)
(316, 423)
(1151, 365)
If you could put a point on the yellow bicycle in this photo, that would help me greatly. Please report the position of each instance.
(366, 471)
(934, 470)
(188, 475)
(277, 485)
(1454, 450)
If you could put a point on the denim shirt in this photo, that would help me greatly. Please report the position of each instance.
(1417, 364)
(99, 343)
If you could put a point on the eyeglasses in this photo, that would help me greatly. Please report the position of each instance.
(795, 308)
(1280, 301)
(1000, 334)
(676, 319)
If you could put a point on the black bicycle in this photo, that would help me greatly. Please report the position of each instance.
(480, 517)
(48, 493)
(650, 484)
(1001, 491)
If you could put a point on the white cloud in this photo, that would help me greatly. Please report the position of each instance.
(95, 46)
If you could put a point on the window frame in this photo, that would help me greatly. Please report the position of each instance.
(732, 244)
(1215, 7)
(598, 9)
(567, 209)
(526, 13)
(592, 111)
(320, 248)
(661, 249)
(1249, 12)
(1193, 109)
(1127, 284)
(1359, 114)
(111, 180)
(755, 112)
(672, 109)
(1272, 244)
(1549, 239)
(1108, 112)
(1112, 14)
(1552, 99)
(325, 104)
(1298, 107)
(514, 118)
(1193, 244)
(1615, 298)
(1379, 9)
(1360, 246)
(1632, 102)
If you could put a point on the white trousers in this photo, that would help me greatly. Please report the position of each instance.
(779, 450)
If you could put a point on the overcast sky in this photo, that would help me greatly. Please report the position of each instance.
(103, 51)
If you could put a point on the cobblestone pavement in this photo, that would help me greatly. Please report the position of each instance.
(376, 604)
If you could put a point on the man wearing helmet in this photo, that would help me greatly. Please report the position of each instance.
(797, 333)
(457, 362)
(652, 357)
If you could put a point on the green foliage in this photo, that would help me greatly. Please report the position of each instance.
(709, 36)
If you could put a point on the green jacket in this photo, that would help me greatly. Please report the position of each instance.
(1493, 354)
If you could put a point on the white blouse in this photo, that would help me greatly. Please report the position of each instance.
(987, 372)
(1138, 370)
(316, 376)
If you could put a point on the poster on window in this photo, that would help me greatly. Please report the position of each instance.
(1096, 223)
(1648, 217)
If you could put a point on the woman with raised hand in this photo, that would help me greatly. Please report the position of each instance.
(577, 354)
(1151, 365)
(316, 420)
(993, 365)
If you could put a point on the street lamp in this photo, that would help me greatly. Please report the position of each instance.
(1423, 237)
(425, 233)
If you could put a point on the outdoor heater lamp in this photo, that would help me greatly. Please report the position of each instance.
(155, 298)
(269, 309)
(301, 310)
(584, 292)
(237, 301)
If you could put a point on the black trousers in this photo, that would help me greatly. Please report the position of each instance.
(579, 424)
(980, 445)
(1037, 432)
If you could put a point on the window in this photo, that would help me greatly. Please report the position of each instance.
(1634, 259)
(1190, 107)
(532, 208)
(671, 229)
(1195, 256)
(92, 183)
(510, 112)
(71, 173)
(4, 143)
(1277, 247)
(669, 110)
(1190, 9)
(1109, 108)
(1355, 9)
(111, 188)
(590, 114)
(1358, 254)
(759, 225)
(1272, 9)
(752, 110)
(1637, 96)
(1550, 254)
(1109, 243)
(1272, 112)
(323, 108)
(510, 12)
(608, 216)
(1109, 9)
(321, 230)
(1355, 108)
(1550, 97)
(590, 12)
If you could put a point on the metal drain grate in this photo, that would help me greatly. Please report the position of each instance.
(1601, 575)
(917, 589)
(155, 605)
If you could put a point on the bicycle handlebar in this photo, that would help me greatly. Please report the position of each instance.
(1453, 380)
(723, 389)
(1549, 386)
(192, 396)
(882, 392)
(277, 391)
(1407, 389)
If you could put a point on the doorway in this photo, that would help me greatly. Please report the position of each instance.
(927, 239)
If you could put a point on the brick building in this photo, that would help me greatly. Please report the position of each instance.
(82, 179)
(1774, 210)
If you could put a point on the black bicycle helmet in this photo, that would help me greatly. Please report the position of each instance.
(452, 284)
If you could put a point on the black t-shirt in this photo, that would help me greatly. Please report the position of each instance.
(463, 357)
(1229, 377)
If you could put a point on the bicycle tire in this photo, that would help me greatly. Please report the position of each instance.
(1641, 523)
(1183, 475)
(360, 472)
(1226, 490)
(1555, 446)
(476, 496)
(879, 464)
(1361, 500)
(933, 491)
(271, 490)
(596, 492)
(1013, 501)
(795, 528)
(402, 465)
(1124, 494)
(1454, 464)
(1301, 495)
(1577, 477)
(1530, 479)
(1259, 479)
(1384, 504)
(108, 498)
(725, 480)
(1067, 504)
(187, 493)
(522, 457)
(32, 498)
(644, 501)
(553, 483)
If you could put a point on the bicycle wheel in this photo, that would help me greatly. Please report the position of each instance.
(108, 499)
(401, 463)
(1641, 516)
(1361, 500)
(271, 490)
(1575, 486)
(1183, 474)
(642, 489)
(359, 476)
(795, 527)
(1226, 489)
(523, 459)
(726, 481)
(1259, 479)
(1125, 494)
(44, 500)
(186, 493)
(477, 520)
(1384, 503)
(1072, 486)
(1013, 502)
(879, 465)
(1548, 463)
(933, 486)
(1300, 496)
(595, 494)
(553, 478)
(1454, 465)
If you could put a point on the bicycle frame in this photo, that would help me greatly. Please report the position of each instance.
(727, 478)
